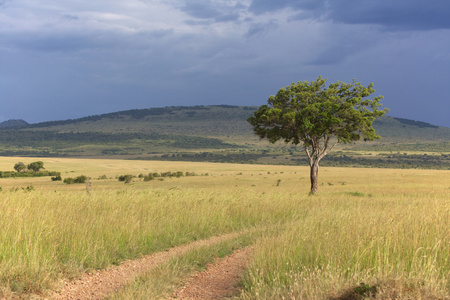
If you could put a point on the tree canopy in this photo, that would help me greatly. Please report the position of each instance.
(36, 166)
(20, 167)
(311, 114)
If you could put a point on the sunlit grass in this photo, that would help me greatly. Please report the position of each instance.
(397, 244)
(56, 232)
(381, 227)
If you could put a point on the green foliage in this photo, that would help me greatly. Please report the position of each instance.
(9, 174)
(69, 180)
(56, 178)
(169, 174)
(20, 167)
(306, 112)
(79, 179)
(126, 178)
(36, 166)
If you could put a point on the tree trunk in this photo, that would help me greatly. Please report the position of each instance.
(314, 176)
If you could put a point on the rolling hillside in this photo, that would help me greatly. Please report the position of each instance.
(214, 133)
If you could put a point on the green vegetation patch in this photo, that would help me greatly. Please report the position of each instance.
(31, 170)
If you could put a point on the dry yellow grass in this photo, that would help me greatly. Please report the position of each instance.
(386, 228)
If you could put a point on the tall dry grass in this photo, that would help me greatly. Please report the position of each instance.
(346, 246)
(388, 229)
(48, 235)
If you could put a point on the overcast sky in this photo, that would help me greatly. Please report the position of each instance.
(74, 58)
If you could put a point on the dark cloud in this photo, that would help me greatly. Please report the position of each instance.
(201, 10)
(392, 15)
(76, 58)
(264, 6)
(259, 29)
(210, 10)
(70, 17)
(76, 41)
(395, 15)
(60, 42)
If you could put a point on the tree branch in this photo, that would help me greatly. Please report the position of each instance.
(309, 156)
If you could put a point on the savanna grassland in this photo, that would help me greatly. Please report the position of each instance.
(383, 232)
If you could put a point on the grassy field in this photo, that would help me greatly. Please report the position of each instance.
(369, 230)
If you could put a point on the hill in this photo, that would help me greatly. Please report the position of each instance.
(13, 123)
(212, 133)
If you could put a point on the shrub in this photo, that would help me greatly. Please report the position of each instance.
(126, 178)
(79, 179)
(69, 180)
(148, 178)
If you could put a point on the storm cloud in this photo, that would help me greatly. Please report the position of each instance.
(68, 59)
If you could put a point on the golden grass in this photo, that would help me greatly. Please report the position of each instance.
(389, 237)
(385, 228)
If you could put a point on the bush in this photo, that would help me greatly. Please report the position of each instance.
(126, 178)
(170, 174)
(69, 180)
(79, 179)
(148, 178)
(8, 174)
(56, 178)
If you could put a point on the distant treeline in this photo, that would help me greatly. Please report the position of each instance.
(416, 123)
(137, 114)
(395, 147)
(9, 174)
(397, 161)
(32, 138)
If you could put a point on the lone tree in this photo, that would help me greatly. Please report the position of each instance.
(20, 167)
(318, 117)
(36, 166)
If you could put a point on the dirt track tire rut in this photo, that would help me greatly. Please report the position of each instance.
(219, 280)
(101, 283)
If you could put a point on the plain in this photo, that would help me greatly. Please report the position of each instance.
(379, 231)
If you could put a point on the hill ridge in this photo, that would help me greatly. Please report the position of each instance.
(140, 113)
(212, 133)
(135, 113)
(13, 123)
